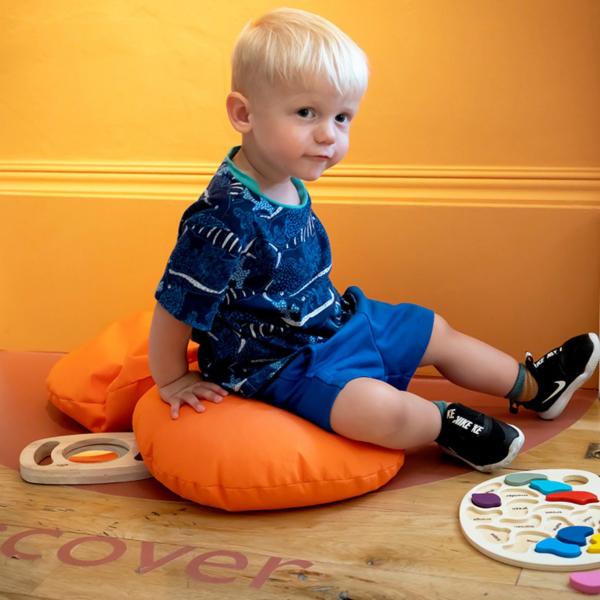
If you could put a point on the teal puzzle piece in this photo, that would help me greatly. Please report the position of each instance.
(523, 478)
(547, 486)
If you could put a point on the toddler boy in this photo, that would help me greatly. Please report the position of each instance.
(249, 278)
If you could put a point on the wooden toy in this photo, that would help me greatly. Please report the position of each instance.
(576, 497)
(486, 500)
(575, 535)
(93, 456)
(523, 478)
(547, 522)
(546, 486)
(83, 458)
(558, 548)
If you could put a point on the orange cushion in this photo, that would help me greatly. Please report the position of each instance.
(99, 383)
(246, 455)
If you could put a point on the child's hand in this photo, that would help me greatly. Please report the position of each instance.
(187, 390)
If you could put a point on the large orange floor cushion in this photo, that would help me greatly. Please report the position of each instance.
(238, 455)
(247, 455)
(99, 383)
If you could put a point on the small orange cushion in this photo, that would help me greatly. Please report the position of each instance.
(246, 455)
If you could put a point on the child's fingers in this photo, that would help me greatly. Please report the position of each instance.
(192, 399)
(210, 396)
(174, 408)
(215, 388)
(216, 398)
(203, 391)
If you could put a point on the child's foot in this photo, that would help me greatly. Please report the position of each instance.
(484, 443)
(560, 373)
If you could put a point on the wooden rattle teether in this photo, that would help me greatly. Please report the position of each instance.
(83, 458)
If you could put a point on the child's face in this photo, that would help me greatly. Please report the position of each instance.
(298, 132)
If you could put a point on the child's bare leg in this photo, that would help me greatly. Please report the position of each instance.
(373, 411)
(469, 362)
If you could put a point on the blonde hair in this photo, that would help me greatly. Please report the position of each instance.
(292, 46)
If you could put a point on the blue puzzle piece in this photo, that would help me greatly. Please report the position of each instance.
(558, 548)
(576, 534)
(547, 486)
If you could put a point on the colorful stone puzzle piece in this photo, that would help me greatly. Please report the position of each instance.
(573, 497)
(594, 547)
(547, 486)
(587, 582)
(523, 478)
(486, 500)
(558, 548)
(577, 534)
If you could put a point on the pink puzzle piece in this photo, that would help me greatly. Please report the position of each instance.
(587, 582)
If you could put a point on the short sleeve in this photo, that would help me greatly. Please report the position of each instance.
(199, 270)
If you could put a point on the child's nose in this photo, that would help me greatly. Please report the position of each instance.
(325, 133)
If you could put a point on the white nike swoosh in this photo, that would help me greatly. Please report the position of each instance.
(559, 387)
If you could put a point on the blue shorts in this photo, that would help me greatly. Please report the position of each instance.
(381, 341)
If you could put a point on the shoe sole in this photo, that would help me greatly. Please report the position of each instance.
(513, 450)
(561, 402)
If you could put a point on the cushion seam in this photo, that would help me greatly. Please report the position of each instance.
(265, 487)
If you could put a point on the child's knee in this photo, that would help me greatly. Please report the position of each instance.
(368, 410)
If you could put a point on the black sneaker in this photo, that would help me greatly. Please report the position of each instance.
(484, 443)
(559, 373)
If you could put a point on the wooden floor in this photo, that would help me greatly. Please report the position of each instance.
(71, 543)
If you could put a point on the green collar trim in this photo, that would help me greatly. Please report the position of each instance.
(252, 185)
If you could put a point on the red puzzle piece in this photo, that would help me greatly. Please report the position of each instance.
(573, 497)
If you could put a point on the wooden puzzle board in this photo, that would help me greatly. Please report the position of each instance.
(510, 532)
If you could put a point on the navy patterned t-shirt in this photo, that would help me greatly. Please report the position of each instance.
(251, 277)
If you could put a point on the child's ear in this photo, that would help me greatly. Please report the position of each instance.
(238, 111)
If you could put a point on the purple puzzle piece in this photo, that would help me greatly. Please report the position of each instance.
(487, 500)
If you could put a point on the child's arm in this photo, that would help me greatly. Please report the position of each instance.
(169, 367)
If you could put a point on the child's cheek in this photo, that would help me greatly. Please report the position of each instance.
(340, 150)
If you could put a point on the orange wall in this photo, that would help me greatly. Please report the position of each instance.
(454, 82)
(472, 184)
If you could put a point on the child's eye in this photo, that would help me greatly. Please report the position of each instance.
(305, 113)
(342, 118)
